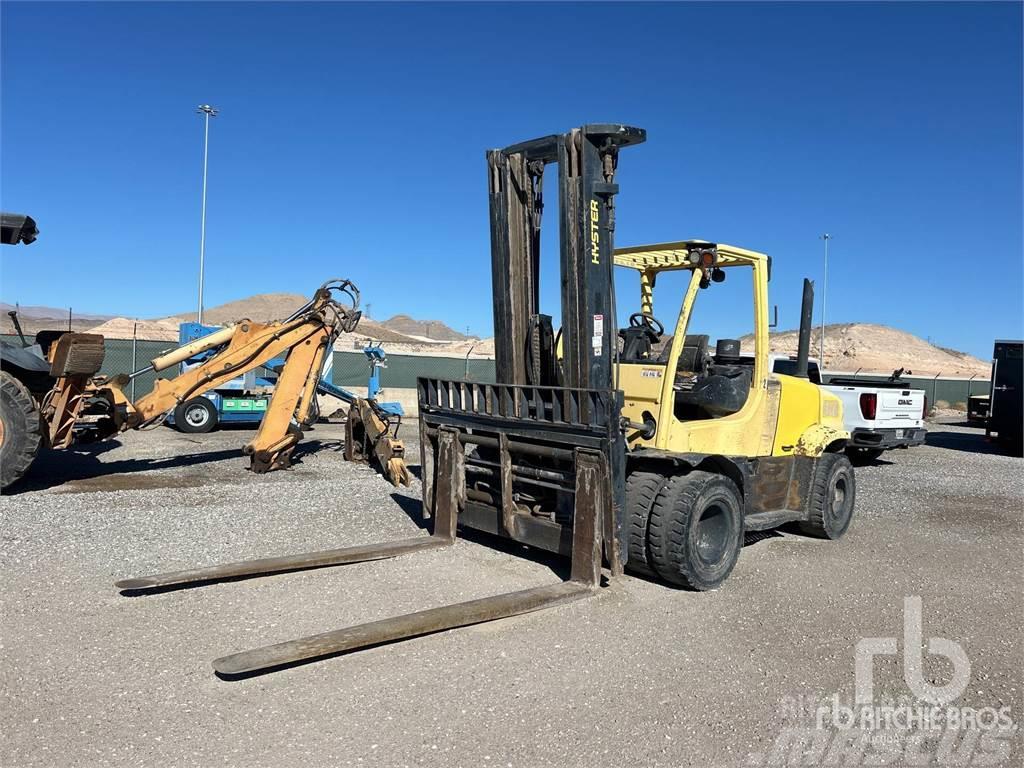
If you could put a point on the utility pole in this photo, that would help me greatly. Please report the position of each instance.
(824, 297)
(207, 111)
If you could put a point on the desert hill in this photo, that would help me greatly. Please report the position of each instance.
(878, 348)
(868, 347)
(36, 318)
(433, 330)
(262, 307)
(48, 313)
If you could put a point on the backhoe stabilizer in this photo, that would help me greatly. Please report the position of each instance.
(370, 436)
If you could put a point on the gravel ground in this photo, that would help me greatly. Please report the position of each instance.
(642, 674)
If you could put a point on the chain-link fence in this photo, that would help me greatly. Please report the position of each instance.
(942, 392)
(352, 369)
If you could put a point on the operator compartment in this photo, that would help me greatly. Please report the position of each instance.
(715, 387)
(682, 375)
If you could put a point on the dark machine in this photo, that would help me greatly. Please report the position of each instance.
(1006, 398)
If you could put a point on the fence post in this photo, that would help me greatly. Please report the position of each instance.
(935, 384)
(969, 382)
(135, 333)
(467, 360)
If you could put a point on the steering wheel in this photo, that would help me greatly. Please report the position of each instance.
(648, 322)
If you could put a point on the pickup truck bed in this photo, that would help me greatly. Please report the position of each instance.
(880, 414)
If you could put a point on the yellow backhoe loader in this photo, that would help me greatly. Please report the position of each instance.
(52, 394)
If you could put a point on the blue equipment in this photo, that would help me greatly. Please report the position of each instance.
(245, 399)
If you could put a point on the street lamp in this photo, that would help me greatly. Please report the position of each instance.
(824, 297)
(207, 111)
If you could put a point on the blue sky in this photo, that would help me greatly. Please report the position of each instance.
(351, 143)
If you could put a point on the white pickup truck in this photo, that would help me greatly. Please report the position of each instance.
(879, 414)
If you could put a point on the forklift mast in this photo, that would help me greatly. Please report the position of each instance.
(525, 350)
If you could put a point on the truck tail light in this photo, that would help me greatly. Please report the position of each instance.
(868, 405)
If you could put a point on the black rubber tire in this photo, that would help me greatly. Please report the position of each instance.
(695, 531)
(833, 496)
(192, 427)
(863, 456)
(20, 431)
(642, 488)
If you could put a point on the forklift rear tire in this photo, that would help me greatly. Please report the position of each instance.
(642, 488)
(695, 531)
(196, 415)
(20, 433)
(833, 492)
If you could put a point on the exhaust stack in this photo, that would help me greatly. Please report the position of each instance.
(806, 318)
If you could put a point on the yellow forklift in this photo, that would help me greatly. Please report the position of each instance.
(616, 447)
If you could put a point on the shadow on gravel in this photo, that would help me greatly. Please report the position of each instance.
(973, 442)
(81, 469)
(558, 565)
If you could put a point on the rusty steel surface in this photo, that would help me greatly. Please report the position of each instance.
(400, 628)
(269, 565)
(448, 499)
(591, 479)
(77, 354)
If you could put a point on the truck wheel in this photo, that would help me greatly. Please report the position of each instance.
(833, 492)
(695, 530)
(641, 490)
(195, 415)
(19, 429)
(861, 456)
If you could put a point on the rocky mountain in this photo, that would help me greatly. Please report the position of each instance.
(878, 348)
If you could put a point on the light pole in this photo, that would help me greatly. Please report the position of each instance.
(824, 297)
(207, 111)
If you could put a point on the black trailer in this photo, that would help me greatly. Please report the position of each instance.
(1006, 397)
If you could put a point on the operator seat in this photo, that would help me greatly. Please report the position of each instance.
(694, 356)
(722, 390)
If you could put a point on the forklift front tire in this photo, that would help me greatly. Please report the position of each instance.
(833, 490)
(695, 530)
(196, 415)
(642, 489)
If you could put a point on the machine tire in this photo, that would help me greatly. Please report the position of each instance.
(695, 531)
(833, 493)
(189, 416)
(20, 429)
(861, 456)
(642, 488)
